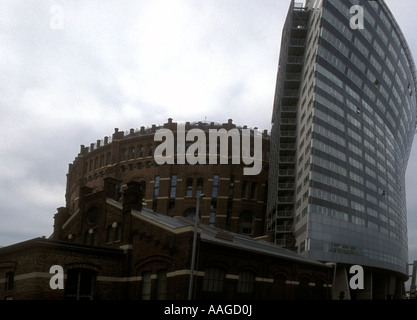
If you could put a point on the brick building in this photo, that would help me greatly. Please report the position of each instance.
(133, 252)
(232, 201)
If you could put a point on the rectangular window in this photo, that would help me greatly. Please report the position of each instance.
(200, 183)
(215, 188)
(173, 191)
(156, 187)
(189, 187)
(212, 218)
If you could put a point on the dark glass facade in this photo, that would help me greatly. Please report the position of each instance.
(354, 111)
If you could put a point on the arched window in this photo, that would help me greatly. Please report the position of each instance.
(149, 150)
(200, 183)
(303, 289)
(108, 158)
(245, 222)
(161, 285)
(280, 287)
(140, 151)
(253, 190)
(109, 237)
(189, 187)
(246, 282)
(90, 237)
(118, 232)
(244, 193)
(318, 290)
(131, 153)
(123, 155)
(213, 280)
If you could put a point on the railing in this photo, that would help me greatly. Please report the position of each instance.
(285, 185)
(297, 42)
(289, 172)
(293, 76)
(290, 93)
(299, 26)
(287, 146)
(288, 120)
(286, 133)
(289, 108)
(295, 59)
(285, 228)
(284, 214)
(285, 199)
(287, 159)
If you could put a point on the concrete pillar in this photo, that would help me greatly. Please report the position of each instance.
(340, 284)
(391, 280)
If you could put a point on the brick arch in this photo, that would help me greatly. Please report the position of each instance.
(152, 263)
(248, 267)
(196, 176)
(141, 179)
(214, 263)
(190, 211)
(83, 265)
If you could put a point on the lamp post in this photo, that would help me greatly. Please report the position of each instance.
(190, 287)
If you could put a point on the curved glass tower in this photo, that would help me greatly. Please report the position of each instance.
(344, 120)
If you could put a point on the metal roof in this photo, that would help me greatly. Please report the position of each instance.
(226, 238)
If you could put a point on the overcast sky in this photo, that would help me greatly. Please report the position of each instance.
(72, 71)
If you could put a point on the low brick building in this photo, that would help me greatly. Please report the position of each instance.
(121, 250)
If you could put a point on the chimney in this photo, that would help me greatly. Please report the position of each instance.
(59, 219)
(111, 188)
(118, 135)
(83, 150)
(132, 197)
